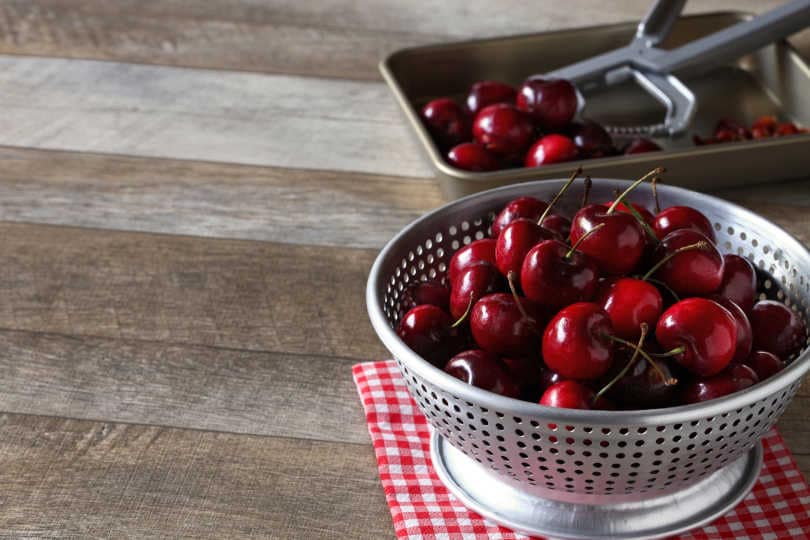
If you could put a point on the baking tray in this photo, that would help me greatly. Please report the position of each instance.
(774, 80)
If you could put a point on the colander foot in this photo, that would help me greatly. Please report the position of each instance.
(504, 501)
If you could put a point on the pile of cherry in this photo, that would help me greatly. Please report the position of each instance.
(616, 308)
(500, 127)
(764, 127)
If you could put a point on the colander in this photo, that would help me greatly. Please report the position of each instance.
(590, 474)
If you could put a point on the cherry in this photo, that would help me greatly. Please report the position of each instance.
(427, 329)
(548, 377)
(485, 93)
(682, 217)
(568, 395)
(505, 327)
(646, 214)
(552, 148)
(515, 241)
(739, 281)
(629, 303)
(592, 140)
(576, 343)
(552, 103)
(642, 387)
(558, 224)
(447, 121)
(472, 283)
(640, 145)
(688, 263)
(733, 379)
(472, 156)
(523, 207)
(618, 246)
(473, 253)
(554, 275)
(764, 364)
(701, 333)
(745, 337)
(503, 129)
(483, 370)
(777, 329)
(425, 292)
(527, 372)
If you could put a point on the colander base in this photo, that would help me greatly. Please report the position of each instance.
(494, 497)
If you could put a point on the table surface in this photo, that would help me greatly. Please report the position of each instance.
(191, 195)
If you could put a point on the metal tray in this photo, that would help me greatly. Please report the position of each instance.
(774, 80)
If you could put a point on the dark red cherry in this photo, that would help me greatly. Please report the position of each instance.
(554, 278)
(485, 93)
(552, 148)
(704, 330)
(629, 303)
(576, 343)
(425, 292)
(643, 387)
(447, 121)
(483, 370)
(777, 329)
(523, 207)
(548, 377)
(527, 372)
(745, 337)
(617, 247)
(515, 241)
(558, 224)
(427, 330)
(473, 253)
(682, 217)
(640, 145)
(472, 156)
(499, 326)
(694, 272)
(764, 364)
(739, 281)
(734, 378)
(552, 103)
(568, 395)
(503, 129)
(472, 283)
(592, 140)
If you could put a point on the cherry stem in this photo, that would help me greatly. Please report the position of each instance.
(665, 286)
(674, 352)
(697, 245)
(559, 194)
(633, 186)
(586, 186)
(643, 222)
(626, 368)
(466, 312)
(654, 185)
(581, 238)
(667, 381)
(510, 278)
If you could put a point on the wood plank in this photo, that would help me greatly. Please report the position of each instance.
(222, 293)
(81, 479)
(208, 199)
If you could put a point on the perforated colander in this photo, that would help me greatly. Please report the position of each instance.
(592, 457)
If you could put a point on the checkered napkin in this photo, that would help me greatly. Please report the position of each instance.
(422, 508)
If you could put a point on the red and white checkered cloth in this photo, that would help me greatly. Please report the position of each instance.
(422, 508)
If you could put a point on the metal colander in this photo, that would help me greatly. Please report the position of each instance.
(593, 457)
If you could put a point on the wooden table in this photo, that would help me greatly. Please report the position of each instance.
(191, 196)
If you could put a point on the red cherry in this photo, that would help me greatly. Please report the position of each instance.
(523, 207)
(483, 370)
(476, 252)
(592, 140)
(641, 145)
(764, 364)
(617, 247)
(629, 303)
(739, 282)
(472, 156)
(472, 283)
(553, 278)
(499, 326)
(733, 379)
(558, 224)
(704, 330)
(447, 121)
(427, 330)
(485, 93)
(682, 217)
(552, 148)
(777, 329)
(551, 102)
(576, 343)
(689, 263)
(745, 336)
(515, 241)
(503, 129)
(424, 292)
(568, 395)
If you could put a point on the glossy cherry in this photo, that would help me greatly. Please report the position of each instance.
(618, 246)
(764, 364)
(554, 276)
(447, 121)
(485, 93)
(552, 103)
(689, 263)
(777, 329)
(558, 224)
(745, 336)
(682, 217)
(576, 342)
(483, 370)
(472, 283)
(427, 330)
(499, 326)
(473, 253)
(568, 395)
(425, 292)
(472, 156)
(503, 129)
(703, 330)
(733, 379)
(522, 207)
(629, 303)
(739, 281)
(592, 140)
(640, 145)
(515, 241)
(552, 148)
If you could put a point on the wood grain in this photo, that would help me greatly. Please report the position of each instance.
(208, 199)
(79, 479)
